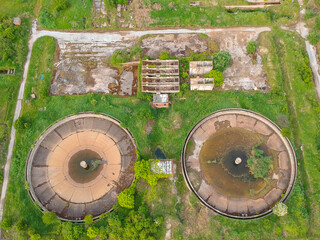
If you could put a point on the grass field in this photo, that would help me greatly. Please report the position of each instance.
(9, 85)
(172, 13)
(171, 126)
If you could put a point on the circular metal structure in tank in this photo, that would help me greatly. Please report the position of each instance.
(59, 180)
(226, 131)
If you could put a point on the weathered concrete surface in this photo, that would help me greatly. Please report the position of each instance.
(245, 207)
(48, 174)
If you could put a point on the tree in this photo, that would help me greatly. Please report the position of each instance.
(218, 77)
(126, 197)
(221, 60)
(92, 232)
(49, 218)
(252, 46)
(280, 209)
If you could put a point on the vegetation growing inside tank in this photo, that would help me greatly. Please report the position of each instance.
(258, 163)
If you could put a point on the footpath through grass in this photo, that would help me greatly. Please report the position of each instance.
(170, 129)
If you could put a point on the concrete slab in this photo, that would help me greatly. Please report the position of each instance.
(40, 158)
(113, 156)
(275, 143)
(112, 172)
(64, 189)
(246, 122)
(56, 204)
(256, 206)
(57, 157)
(99, 190)
(69, 143)
(125, 146)
(87, 137)
(116, 133)
(273, 196)
(51, 141)
(262, 128)
(76, 210)
(284, 160)
(230, 119)
(101, 125)
(66, 129)
(82, 195)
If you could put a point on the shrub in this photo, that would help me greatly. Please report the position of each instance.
(126, 197)
(218, 77)
(21, 226)
(280, 209)
(222, 60)
(184, 75)
(314, 37)
(6, 224)
(164, 55)
(35, 237)
(92, 232)
(258, 164)
(23, 122)
(49, 218)
(252, 46)
(88, 219)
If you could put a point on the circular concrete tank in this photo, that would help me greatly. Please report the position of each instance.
(223, 183)
(79, 165)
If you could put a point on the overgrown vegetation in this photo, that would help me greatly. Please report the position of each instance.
(65, 14)
(258, 163)
(171, 126)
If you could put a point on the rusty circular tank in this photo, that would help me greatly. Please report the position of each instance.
(79, 165)
(215, 163)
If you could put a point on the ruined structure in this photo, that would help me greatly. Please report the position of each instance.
(197, 72)
(160, 76)
(215, 167)
(79, 165)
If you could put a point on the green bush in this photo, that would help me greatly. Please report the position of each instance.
(259, 164)
(314, 37)
(49, 218)
(6, 224)
(88, 219)
(164, 55)
(221, 60)
(23, 122)
(280, 209)
(126, 197)
(92, 232)
(218, 77)
(184, 75)
(252, 47)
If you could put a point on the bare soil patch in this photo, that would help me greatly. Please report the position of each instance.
(82, 68)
